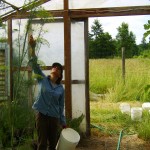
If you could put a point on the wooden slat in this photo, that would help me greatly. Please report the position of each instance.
(2, 85)
(3, 98)
(2, 89)
(2, 79)
(2, 93)
(2, 75)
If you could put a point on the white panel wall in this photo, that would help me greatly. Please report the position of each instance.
(78, 71)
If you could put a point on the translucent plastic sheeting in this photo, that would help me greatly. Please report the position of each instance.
(54, 35)
(78, 71)
(81, 4)
(6, 7)
(54, 5)
(19, 3)
(19, 43)
(78, 103)
(76, 4)
(77, 51)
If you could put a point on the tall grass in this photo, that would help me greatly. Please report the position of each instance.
(106, 78)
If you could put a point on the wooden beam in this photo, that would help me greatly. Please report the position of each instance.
(93, 12)
(112, 11)
(67, 56)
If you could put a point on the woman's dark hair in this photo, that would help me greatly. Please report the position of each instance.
(56, 64)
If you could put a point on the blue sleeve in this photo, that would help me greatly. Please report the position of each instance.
(36, 68)
(61, 110)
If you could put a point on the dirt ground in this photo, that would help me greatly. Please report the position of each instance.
(130, 142)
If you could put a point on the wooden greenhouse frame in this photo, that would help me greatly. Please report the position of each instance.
(68, 15)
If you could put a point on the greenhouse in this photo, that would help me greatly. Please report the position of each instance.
(61, 30)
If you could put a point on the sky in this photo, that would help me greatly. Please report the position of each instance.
(110, 24)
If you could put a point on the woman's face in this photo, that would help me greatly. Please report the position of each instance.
(56, 71)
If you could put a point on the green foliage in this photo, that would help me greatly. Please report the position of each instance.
(3, 68)
(126, 39)
(147, 28)
(100, 44)
(75, 123)
(145, 96)
(3, 40)
(17, 118)
(143, 128)
(96, 29)
(44, 15)
(144, 54)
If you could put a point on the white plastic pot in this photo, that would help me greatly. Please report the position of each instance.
(125, 108)
(68, 140)
(136, 113)
(146, 106)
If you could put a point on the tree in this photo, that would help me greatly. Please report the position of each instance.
(147, 33)
(126, 39)
(96, 28)
(147, 28)
(101, 44)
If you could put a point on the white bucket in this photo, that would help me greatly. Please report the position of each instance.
(125, 108)
(68, 140)
(146, 106)
(136, 113)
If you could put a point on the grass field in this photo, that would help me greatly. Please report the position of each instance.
(106, 78)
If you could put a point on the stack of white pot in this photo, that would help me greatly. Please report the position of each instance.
(135, 112)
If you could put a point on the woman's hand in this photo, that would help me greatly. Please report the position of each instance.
(64, 126)
(32, 42)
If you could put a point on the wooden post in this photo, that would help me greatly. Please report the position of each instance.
(11, 57)
(123, 63)
(67, 57)
(87, 102)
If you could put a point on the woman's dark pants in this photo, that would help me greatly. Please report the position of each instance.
(47, 131)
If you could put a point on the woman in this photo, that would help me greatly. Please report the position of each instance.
(49, 103)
